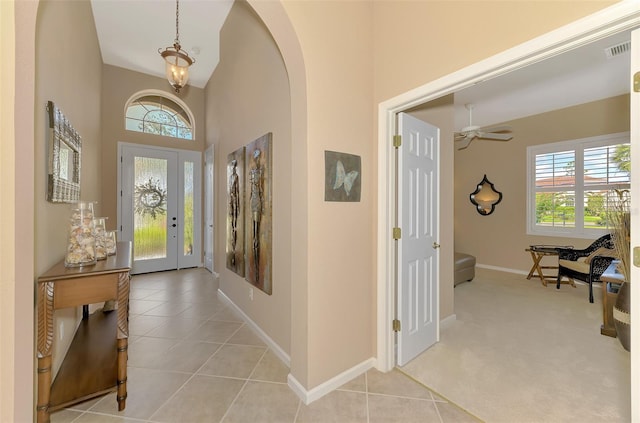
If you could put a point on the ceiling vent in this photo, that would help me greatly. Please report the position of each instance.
(618, 49)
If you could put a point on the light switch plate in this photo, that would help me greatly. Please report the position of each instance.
(636, 256)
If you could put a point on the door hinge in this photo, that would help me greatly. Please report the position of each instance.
(636, 82)
(397, 233)
(397, 141)
(396, 325)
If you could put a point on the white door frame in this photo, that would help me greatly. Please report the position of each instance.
(619, 17)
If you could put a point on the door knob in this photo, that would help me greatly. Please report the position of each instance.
(435, 245)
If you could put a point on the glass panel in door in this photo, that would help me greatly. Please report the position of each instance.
(149, 213)
(150, 208)
(187, 233)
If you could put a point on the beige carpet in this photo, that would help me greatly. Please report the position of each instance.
(520, 352)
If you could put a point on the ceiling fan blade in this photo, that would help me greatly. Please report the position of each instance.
(494, 136)
(465, 142)
(457, 136)
(501, 128)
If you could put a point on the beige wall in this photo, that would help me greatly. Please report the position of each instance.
(335, 38)
(118, 86)
(500, 238)
(418, 41)
(247, 97)
(65, 30)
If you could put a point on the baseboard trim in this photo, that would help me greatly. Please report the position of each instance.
(502, 269)
(309, 396)
(277, 350)
(447, 321)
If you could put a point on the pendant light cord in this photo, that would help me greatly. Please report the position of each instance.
(177, 40)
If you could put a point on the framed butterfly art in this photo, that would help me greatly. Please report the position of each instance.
(342, 175)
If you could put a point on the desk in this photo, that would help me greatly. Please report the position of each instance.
(62, 287)
(537, 253)
(611, 281)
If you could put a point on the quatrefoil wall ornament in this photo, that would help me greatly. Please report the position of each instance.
(485, 197)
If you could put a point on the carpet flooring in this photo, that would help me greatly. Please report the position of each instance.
(522, 352)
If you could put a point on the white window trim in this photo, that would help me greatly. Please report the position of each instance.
(577, 144)
(160, 93)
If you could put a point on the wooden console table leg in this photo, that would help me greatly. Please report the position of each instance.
(123, 345)
(44, 388)
(44, 307)
(124, 280)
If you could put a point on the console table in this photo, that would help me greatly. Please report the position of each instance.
(611, 281)
(95, 369)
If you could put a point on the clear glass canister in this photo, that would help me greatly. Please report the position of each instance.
(81, 249)
(99, 231)
(110, 242)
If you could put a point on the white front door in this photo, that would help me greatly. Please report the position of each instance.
(159, 207)
(418, 246)
(208, 209)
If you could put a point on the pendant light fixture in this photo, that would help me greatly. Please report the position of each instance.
(177, 61)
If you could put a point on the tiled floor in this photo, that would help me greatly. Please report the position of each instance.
(191, 360)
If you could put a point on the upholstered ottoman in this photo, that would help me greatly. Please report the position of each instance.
(464, 268)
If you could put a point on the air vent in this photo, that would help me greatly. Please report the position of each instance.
(617, 50)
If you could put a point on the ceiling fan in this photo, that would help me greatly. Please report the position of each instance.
(471, 132)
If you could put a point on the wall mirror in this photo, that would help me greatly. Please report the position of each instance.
(485, 197)
(63, 184)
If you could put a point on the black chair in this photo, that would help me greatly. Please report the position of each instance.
(596, 267)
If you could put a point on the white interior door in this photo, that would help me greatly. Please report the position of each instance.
(635, 222)
(418, 246)
(208, 209)
(159, 207)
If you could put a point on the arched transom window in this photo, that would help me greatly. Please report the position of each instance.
(155, 114)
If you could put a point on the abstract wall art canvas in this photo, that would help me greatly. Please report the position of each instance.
(258, 218)
(235, 212)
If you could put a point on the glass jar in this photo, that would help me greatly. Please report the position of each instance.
(99, 231)
(81, 249)
(110, 242)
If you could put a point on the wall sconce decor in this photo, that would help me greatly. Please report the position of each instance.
(485, 197)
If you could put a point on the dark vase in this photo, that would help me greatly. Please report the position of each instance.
(621, 316)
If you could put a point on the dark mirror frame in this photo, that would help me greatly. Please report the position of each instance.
(65, 144)
(485, 207)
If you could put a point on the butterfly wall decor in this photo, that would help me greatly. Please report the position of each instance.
(342, 177)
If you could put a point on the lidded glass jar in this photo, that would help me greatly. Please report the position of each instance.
(110, 242)
(99, 231)
(81, 249)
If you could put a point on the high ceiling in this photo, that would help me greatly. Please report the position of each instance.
(130, 32)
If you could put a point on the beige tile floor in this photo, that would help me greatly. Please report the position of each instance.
(191, 360)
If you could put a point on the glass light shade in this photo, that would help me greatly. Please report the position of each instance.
(176, 66)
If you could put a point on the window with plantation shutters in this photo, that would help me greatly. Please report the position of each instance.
(573, 183)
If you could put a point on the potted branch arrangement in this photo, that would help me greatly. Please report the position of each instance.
(621, 234)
